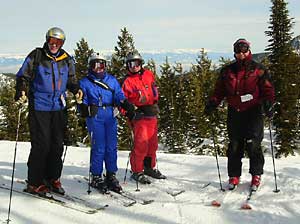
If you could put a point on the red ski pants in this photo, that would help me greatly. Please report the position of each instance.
(145, 143)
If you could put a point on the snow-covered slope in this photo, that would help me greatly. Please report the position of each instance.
(186, 172)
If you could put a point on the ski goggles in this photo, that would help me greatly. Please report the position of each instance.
(134, 63)
(98, 64)
(55, 41)
(241, 48)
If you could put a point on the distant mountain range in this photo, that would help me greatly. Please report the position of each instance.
(11, 63)
(295, 43)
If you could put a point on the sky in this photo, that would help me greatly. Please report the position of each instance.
(184, 172)
(156, 25)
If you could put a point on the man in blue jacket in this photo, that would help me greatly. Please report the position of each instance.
(102, 94)
(44, 78)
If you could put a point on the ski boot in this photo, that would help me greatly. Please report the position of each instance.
(112, 182)
(233, 182)
(41, 190)
(155, 173)
(55, 186)
(141, 178)
(255, 182)
(99, 184)
(149, 171)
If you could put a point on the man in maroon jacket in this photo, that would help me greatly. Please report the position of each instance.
(249, 93)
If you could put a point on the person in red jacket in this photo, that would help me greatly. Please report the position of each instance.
(247, 87)
(140, 89)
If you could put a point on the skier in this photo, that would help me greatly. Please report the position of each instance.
(44, 77)
(102, 94)
(140, 89)
(247, 87)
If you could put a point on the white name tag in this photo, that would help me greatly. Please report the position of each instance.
(62, 98)
(246, 98)
(116, 112)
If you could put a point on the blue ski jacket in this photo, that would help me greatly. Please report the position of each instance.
(103, 98)
(49, 77)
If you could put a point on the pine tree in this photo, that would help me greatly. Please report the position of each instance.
(169, 103)
(125, 45)
(151, 66)
(180, 121)
(76, 128)
(9, 113)
(82, 53)
(195, 126)
(285, 76)
(206, 75)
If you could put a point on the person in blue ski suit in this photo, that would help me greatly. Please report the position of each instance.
(102, 95)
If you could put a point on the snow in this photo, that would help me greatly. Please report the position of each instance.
(188, 172)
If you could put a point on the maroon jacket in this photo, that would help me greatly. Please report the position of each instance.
(244, 84)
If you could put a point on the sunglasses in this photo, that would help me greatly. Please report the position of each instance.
(55, 41)
(98, 64)
(135, 63)
(241, 48)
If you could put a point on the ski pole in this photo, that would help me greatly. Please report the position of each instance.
(134, 157)
(14, 164)
(66, 135)
(216, 154)
(89, 182)
(126, 168)
(270, 129)
(64, 154)
(137, 180)
(131, 148)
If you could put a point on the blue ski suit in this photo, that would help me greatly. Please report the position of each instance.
(103, 126)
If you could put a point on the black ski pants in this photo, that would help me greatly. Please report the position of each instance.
(245, 132)
(46, 134)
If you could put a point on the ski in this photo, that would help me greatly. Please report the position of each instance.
(246, 205)
(129, 196)
(120, 199)
(133, 197)
(52, 199)
(174, 193)
(217, 202)
(166, 186)
(126, 202)
(72, 198)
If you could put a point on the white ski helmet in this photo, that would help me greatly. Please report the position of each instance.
(96, 56)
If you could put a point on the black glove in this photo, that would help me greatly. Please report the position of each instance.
(127, 106)
(88, 111)
(210, 107)
(268, 108)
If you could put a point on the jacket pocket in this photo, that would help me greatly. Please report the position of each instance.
(250, 84)
(231, 84)
(43, 80)
(63, 78)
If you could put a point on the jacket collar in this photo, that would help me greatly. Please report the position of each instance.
(96, 76)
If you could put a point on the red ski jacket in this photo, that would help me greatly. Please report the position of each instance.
(140, 89)
(244, 85)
